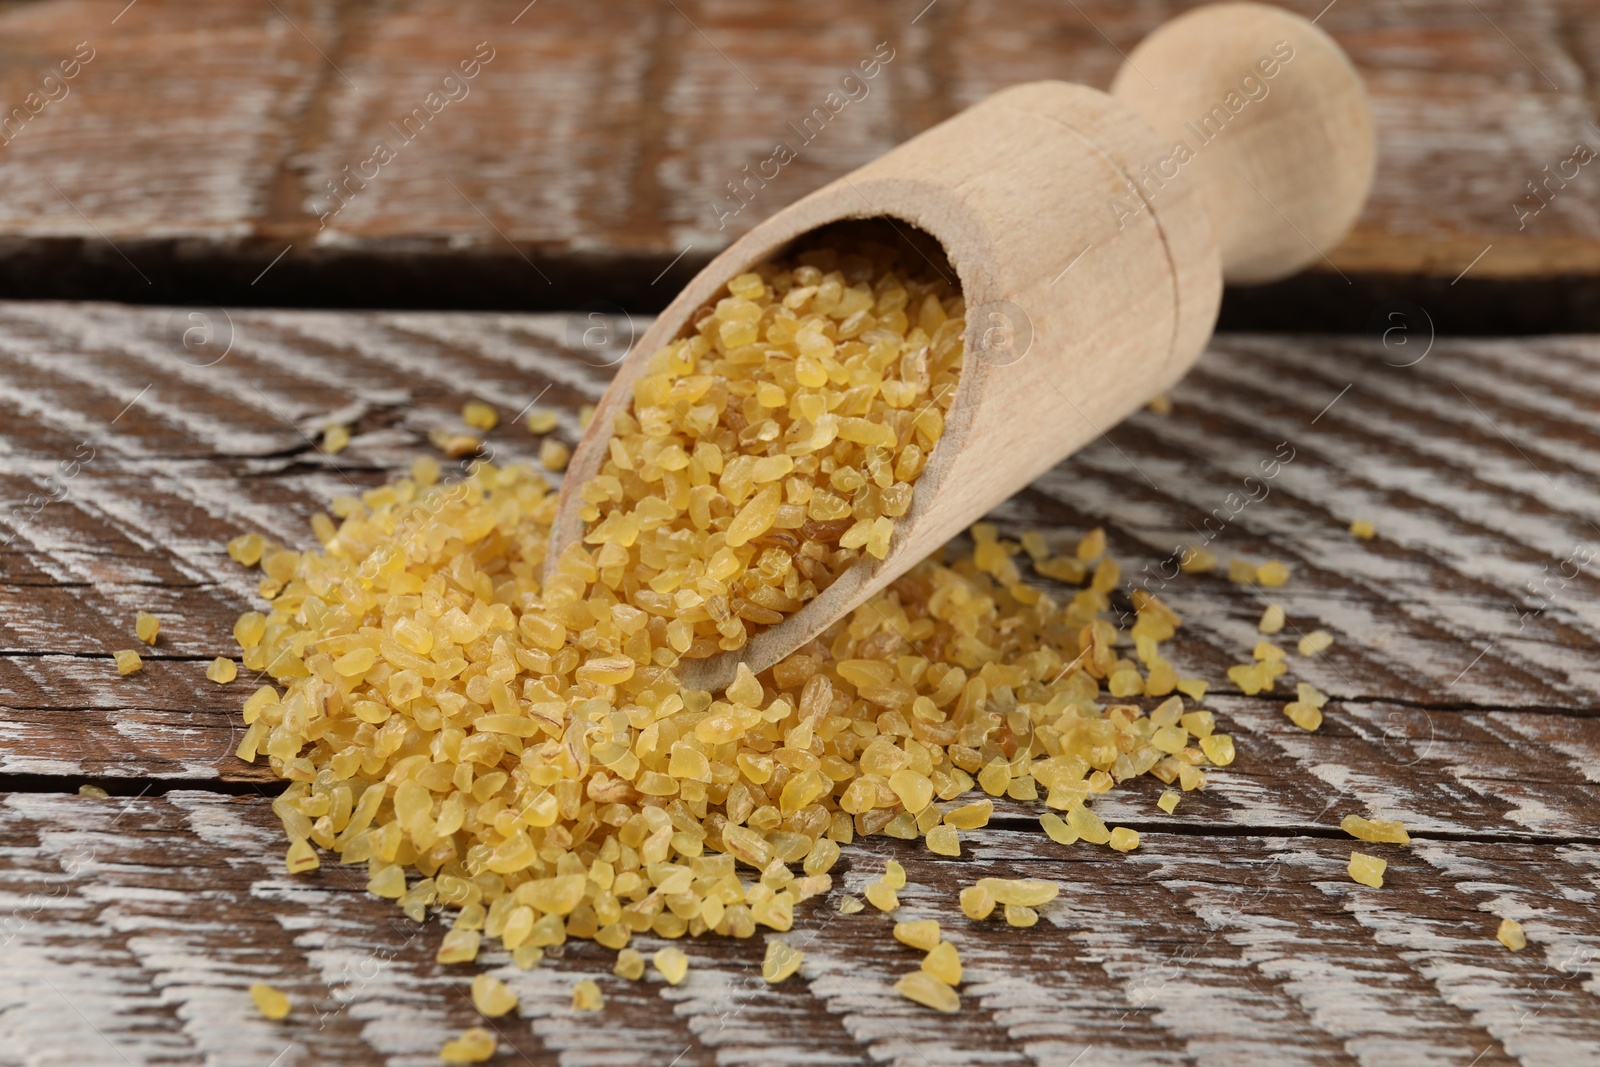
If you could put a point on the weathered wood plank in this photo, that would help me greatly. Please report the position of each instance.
(589, 150)
(151, 915)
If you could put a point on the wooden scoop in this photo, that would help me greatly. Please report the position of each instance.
(1090, 234)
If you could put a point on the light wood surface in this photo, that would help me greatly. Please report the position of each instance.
(132, 926)
(200, 139)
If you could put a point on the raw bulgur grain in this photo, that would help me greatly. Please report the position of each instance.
(929, 991)
(1368, 870)
(475, 1045)
(1511, 936)
(335, 438)
(480, 416)
(586, 996)
(492, 997)
(1384, 831)
(270, 1002)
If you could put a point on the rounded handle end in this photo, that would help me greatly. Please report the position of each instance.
(1271, 120)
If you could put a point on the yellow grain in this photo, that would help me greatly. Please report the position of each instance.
(335, 438)
(480, 416)
(492, 997)
(474, 1045)
(1511, 936)
(270, 1002)
(922, 933)
(1368, 870)
(1384, 831)
(586, 996)
(929, 991)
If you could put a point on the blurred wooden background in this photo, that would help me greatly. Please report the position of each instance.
(593, 150)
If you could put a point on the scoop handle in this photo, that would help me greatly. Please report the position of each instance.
(1269, 119)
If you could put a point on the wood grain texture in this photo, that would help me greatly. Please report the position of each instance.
(596, 147)
(132, 926)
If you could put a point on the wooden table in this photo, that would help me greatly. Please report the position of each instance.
(1463, 703)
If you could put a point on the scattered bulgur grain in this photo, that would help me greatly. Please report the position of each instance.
(1218, 748)
(1093, 545)
(459, 945)
(458, 445)
(849, 905)
(1057, 830)
(480, 416)
(1303, 715)
(474, 1045)
(128, 661)
(970, 816)
(944, 841)
(944, 963)
(1247, 676)
(301, 857)
(586, 996)
(527, 957)
(922, 933)
(87, 790)
(1193, 688)
(335, 438)
(1381, 831)
(1168, 801)
(1272, 573)
(553, 455)
(1030, 892)
(1123, 839)
(1306, 710)
(146, 627)
(1368, 870)
(894, 875)
(1020, 915)
(672, 964)
(492, 997)
(1160, 404)
(424, 471)
(925, 989)
(1197, 561)
(1272, 620)
(977, 902)
(781, 961)
(270, 1002)
(881, 896)
(542, 422)
(1511, 936)
(585, 415)
(1241, 572)
(222, 670)
(246, 549)
(630, 965)
(1364, 529)
(1315, 641)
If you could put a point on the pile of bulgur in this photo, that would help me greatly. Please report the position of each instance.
(519, 751)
